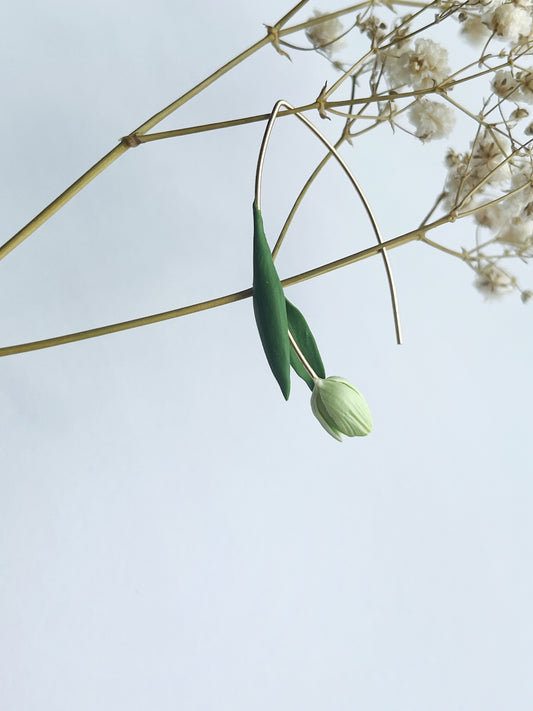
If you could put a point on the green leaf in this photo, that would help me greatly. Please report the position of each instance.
(306, 343)
(269, 308)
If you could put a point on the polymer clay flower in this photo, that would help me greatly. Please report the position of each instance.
(340, 408)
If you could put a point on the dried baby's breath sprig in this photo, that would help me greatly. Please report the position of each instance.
(493, 282)
(400, 69)
(326, 35)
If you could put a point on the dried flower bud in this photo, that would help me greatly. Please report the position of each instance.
(519, 114)
(452, 159)
(525, 83)
(504, 84)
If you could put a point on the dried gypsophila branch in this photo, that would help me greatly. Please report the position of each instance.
(398, 52)
(422, 64)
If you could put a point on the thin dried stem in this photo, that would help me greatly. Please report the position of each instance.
(131, 140)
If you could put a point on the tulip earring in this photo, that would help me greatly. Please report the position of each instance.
(285, 335)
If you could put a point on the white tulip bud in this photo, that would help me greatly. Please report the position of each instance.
(340, 408)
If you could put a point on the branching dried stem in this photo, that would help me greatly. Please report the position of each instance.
(408, 79)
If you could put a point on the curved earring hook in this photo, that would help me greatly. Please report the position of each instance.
(259, 176)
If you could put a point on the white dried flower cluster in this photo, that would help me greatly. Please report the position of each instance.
(409, 76)
(511, 219)
(493, 282)
(431, 119)
(525, 81)
(505, 85)
(511, 22)
(423, 66)
(514, 85)
(325, 35)
(470, 174)
(517, 233)
(503, 207)
(489, 158)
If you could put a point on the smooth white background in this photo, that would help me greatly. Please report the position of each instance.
(173, 534)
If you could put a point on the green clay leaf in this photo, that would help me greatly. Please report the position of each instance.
(306, 343)
(269, 308)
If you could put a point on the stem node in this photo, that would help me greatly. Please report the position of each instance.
(132, 140)
(273, 35)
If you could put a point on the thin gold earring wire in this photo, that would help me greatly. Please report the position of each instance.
(301, 356)
(259, 176)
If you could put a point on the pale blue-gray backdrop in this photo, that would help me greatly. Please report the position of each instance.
(173, 534)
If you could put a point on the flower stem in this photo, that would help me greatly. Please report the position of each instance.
(302, 358)
(211, 303)
(231, 123)
(160, 115)
(442, 248)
